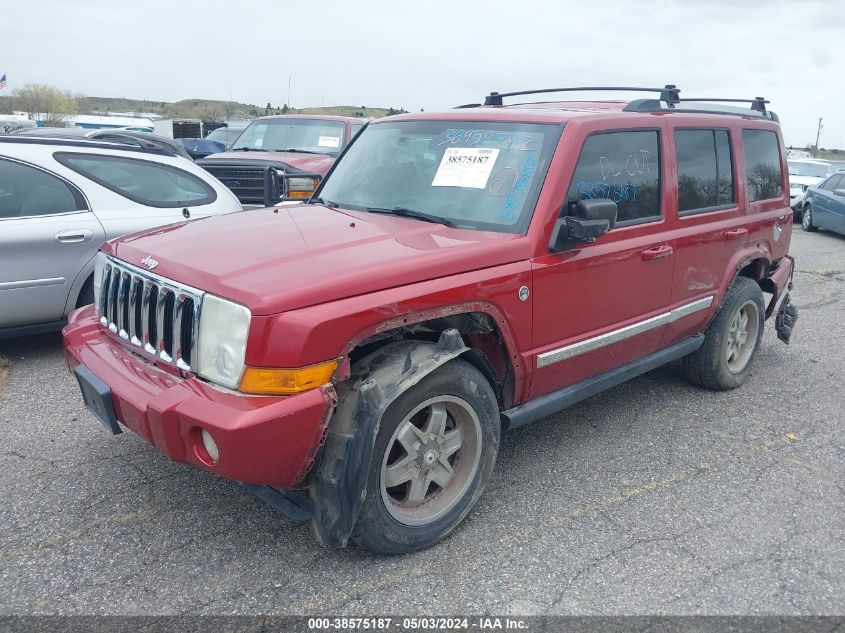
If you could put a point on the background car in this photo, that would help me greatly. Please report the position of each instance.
(802, 174)
(60, 199)
(305, 146)
(217, 141)
(824, 206)
(127, 137)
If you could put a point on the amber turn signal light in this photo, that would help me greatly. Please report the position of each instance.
(285, 382)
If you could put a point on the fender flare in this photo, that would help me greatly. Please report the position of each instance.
(339, 481)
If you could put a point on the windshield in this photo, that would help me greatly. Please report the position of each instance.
(476, 175)
(307, 135)
(223, 135)
(815, 170)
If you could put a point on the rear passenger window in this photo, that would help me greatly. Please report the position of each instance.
(762, 161)
(26, 191)
(623, 167)
(142, 181)
(705, 171)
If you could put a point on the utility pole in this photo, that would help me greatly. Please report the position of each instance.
(818, 133)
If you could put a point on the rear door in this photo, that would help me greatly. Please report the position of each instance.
(708, 218)
(47, 235)
(594, 305)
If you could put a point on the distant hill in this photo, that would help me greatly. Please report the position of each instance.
(207, 109)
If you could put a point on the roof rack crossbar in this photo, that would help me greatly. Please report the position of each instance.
(669, 93)
(757, 103)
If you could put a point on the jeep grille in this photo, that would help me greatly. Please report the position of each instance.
(152, 313)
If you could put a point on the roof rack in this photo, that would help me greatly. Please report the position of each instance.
(758, 106)
(669, 93)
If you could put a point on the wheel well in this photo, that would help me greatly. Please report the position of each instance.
(480, 333)
(755, 269)
(82, 299)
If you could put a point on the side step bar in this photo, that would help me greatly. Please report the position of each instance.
(544, 406)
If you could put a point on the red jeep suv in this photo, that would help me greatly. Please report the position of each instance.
(355, 359)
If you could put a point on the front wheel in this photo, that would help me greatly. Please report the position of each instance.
(434, 453)
(731, 342)
(807, 220)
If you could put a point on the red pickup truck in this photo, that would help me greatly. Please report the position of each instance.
(283, 157)
(355, 359)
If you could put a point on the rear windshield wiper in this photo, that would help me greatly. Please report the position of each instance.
(402, 212)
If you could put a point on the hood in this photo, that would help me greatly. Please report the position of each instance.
(805, 180)
(284, 258)
(289, 161)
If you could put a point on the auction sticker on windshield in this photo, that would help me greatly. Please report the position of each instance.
(328, 141)
(465, 167)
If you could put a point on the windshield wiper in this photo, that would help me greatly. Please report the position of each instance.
(296, 150)
(325, 203)
(402, 212)
(244, 149)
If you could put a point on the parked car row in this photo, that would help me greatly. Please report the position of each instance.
(61, 198)
(355, 359)
(804, 172)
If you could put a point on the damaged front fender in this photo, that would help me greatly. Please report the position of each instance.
(339, 481)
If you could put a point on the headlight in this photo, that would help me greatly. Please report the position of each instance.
(223, 330)
(301, 187)
(99, 267)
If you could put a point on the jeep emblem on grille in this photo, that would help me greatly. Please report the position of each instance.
(149, 262)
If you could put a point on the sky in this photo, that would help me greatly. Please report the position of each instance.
(437, 54)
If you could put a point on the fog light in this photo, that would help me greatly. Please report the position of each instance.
(210, 446)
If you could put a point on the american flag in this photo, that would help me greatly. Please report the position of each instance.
(3, 81)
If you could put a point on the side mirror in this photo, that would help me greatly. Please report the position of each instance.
(591, 219)
(839, 192)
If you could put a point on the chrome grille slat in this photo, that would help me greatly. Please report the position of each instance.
(145, 317)
(123, 305)
(154, 314)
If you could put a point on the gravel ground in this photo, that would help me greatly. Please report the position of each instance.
(654, 497)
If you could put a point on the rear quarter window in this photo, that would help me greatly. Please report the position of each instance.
(621, 166)
(142, 181)
(763, 165)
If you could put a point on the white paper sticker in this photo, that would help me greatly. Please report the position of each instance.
(465, 167)
(329, 141)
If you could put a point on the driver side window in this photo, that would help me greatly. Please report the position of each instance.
(624, 167)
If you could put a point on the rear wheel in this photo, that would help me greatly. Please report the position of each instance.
(434, 453)
(807, 219)
(731, 342)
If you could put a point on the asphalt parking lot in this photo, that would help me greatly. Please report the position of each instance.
(654, 497)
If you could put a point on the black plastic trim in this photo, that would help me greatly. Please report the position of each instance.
(546, 405)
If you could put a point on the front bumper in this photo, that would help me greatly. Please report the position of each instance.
(260, 439)
(796, 199)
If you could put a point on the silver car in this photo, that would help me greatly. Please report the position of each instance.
(61, 199)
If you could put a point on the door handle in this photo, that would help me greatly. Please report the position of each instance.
(658, 252)
(74, 236)
(735, 234)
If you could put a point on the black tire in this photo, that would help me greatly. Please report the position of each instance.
(807, 220)
(86, 294)
(377, 529)
(709, 366)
